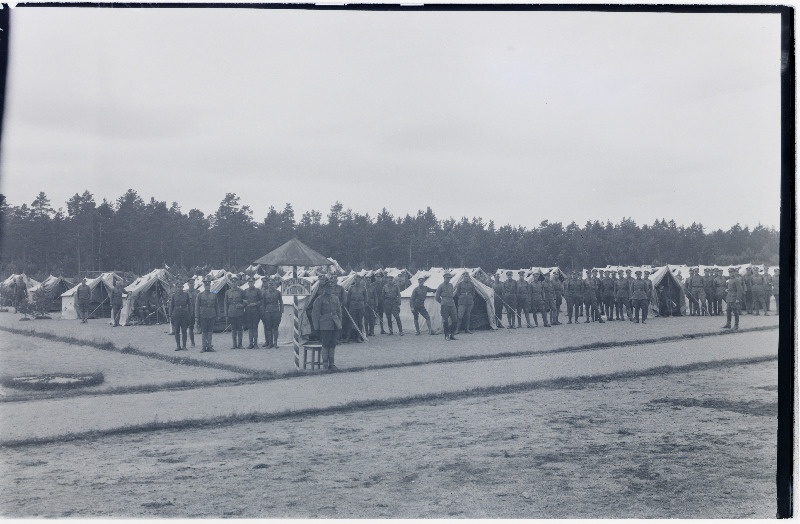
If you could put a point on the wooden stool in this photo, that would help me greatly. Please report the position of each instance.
(316, 355)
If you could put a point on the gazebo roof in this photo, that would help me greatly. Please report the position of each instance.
(293, 253)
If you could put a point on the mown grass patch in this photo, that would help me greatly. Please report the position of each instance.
(53, 381)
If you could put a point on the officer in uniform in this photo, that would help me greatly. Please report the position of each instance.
(523, 300)
(720, 288)
(711, 291)
(445, 294)
(733, 297)
(747, 282)
(591, 289)
(193, 296)
(649, 284)
(497, 287)
(234, 311)
(371, 306)
(326, 317)
(252, 311)
(465, 292)
(757, 289)
(271, 310)
(82, 297)
(379, 294)
(538, 300)
(621, 295)
(391, 304)
(356, 303)
(607, 286)
(206, 312)
(558, 291)
(573, 293)
(629, 280)
(510, 297)
(767, 289)
(182, 314)
(116, 301)
(418, 296)
(639, 297)
(597, 284)
(698, 286)
(549, 301)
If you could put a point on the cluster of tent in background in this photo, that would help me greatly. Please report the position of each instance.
(146, 298)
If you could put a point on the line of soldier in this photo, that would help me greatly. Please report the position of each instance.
(706, 292)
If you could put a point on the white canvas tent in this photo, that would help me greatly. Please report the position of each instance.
(147, 299)
(99, 303)
(8, 286)
(53, 287)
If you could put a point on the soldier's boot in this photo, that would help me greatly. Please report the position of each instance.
(399, 327)
(728, 323)
(569, 315)
(191, 336)
(736, 324)
(389, 322)
(239, 336)
(528, 319)
(416, 325)
(380, 320)
(544, 320)
(275, 338)
(177, 340)
(233, 337)
(428, 323)
(183, 338)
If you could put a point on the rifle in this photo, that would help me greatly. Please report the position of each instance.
(363, 336)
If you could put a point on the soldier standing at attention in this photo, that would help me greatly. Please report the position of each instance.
(621, 294)
(597, 284)
(356, 302)
(116, 301)
(590, 289)
(720, 287)
(234, 311)
(639, 297)
(523, 300)
(206, 312)
(608, 294)
(391, 304)
(497, 287)
(537, 299)
(193, 299)
(549, 301)
(649, 284)
(418, 296)
(767, 288)
(444, 296)
(181, 311)
(629, 280)
(573, 293)
(711, 291)
(271, 310)
(371, 306)
(510, 297)
(326, 317)
(82, 296)
(748, 290)
(252, 311)
(757, 290)
(465, 291)
(733, 297)
(379, 295)
(558, 292)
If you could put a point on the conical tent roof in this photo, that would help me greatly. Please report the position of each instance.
(293, 253)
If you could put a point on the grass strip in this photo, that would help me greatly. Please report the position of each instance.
(400, 402)
(130, 350)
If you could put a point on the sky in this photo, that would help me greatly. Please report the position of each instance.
(514, 117)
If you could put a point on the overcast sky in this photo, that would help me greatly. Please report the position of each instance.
(516, 117)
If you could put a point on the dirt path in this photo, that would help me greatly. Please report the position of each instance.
(45, 419)
(631, 448)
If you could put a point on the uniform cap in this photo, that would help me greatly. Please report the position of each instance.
(509, 272)
(251, 279)
(731, 270)
(756, 269)
(207, 279)
(638, 272)
(421, 279)
(450, 275)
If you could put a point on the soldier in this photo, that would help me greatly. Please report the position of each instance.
(757, 290)
(497, 287)
(379, 294)
(621, 295)
(607, 286)
(371, 306)
(391, 304)
(639, 297)
(720, 286)
(733, 297)
(326, 317)
(252, 311)
(573, 293)
(116, 301)
(776, 288)
(629, 282)
(767, 288)
(748, 290)
(206, 312)
(271, 310)
(711, 291)
(182, 314)
(465, 291)
(445, 294)
(523, 300)
(649, 290)
(82, 297)
(356, 302)
(558, 292)
(537, 299)
(549, 302)
(697, 285)
(510, 297)
(418, 296)
(193, 297)
(597, 285)
(233, 305)
(591, 287)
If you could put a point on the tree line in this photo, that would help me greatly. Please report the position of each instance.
(132, 235)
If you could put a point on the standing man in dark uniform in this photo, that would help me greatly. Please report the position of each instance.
(720, 288)
(356, 302)
(445, 294)
(639, 297)
(757, 290)
(116, 301)
(558, 291)
(510, 297)
(591, 287)
(379, 294)
(82, 296)
(733, 297)
(234, 311)
(748, 290)
(711, 291)
(622, 295)
(497, 287)
(252, 311)
(573, 293)
(418, 296)
(391, 304)
(465, 291)
(271, 310)
(649, 290)
(182, 314)
(608, 293)
(549, 301)
(537, 300)
(597, 284)
(767, 289)
(371, 306)
(193, 298)
(523, 300)
(206, 312)
(326, 317)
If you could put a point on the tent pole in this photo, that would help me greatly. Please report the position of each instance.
(296, 326)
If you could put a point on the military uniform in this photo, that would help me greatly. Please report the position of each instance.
(356, 303)
(182, 313)
(649, 290)
(590, 291)
(445, 294)
(549, 301)
(607, 291)
(733, 297)
(510, 298)
(116, 303)
(622, 296)
(379, 295)
(206, 312)
(391, 305)
(465, 292)
(497, 287)
(326, 317)
(697, 286)
(193, 297)
(537, 301)
(523, 300)
(767, 289)
(720, 288)
(371, 307)
(558, 293)
(418, 296)
(573, 293)
(711, 292)
(757, 291)
(639, 298)
(234, 311)
(271, 312)
(748, 290)
(252, 313)
(82, 296)
(776, 289)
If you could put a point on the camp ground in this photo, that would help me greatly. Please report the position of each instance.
(147, 299)
(12, 291)
(100, 298)
(52, 287)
